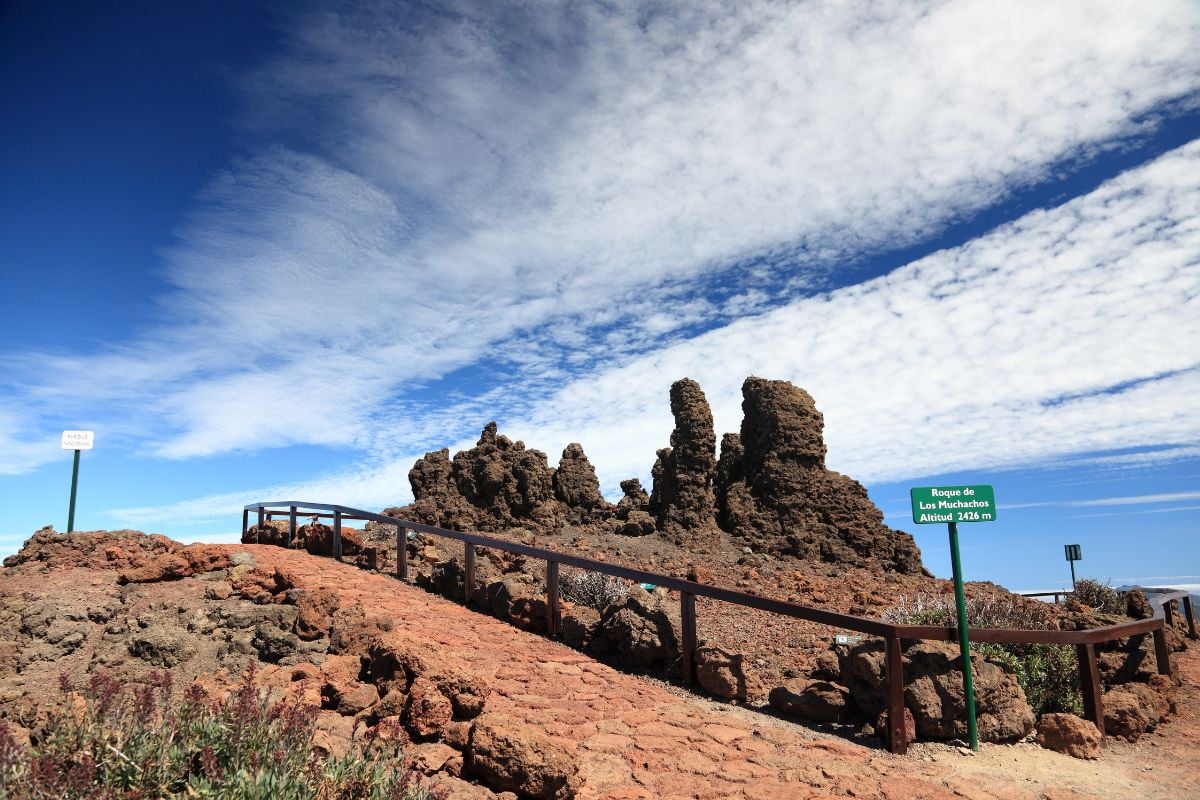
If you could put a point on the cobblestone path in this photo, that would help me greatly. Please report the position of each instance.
(634, 739)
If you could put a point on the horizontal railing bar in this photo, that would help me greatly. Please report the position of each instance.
(865, 625)
(1026, 636)
(320, 516)
(836, 619)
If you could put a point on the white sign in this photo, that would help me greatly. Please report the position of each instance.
(842, 638)
(78, 440)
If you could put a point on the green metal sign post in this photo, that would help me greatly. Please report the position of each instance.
(74, 486)
(952, 505)
(76, 440)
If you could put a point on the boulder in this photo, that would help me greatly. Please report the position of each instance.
(682, 498)
(508, 755)
(772, 487)
(577, 626)
(635, 523)
(726, 674)
(162, 646)
(818, 701)
(315, 609)
(272, 532)
(111, 550)
(428, 710)
(642, 631)
(273, 643)
(1126, 715)
(318, 540)
(934, 691)
(1129, 661)
(1137, 606)
(393, 658)
(183, 563)
(517, 600)
(910, 726)
(826, 666)
(1067, 733)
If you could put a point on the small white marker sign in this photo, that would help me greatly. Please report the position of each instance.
(78, 440)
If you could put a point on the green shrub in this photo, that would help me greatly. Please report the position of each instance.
(135, 744)
(1048, 673)
(1100, 596)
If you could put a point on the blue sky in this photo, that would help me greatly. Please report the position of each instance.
(284, 249)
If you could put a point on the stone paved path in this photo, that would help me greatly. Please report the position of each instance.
(634, 739)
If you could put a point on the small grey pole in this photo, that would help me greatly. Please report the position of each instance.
(337, 535)
(401, 553)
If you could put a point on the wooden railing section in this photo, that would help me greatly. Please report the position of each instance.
(894, 635)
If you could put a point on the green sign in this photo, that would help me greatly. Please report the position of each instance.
(953, 504)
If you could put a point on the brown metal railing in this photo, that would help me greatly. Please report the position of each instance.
(894, 635)
(1056, 595)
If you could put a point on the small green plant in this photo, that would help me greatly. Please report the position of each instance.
(135, 744)
(1100, 596)
(1048, 673)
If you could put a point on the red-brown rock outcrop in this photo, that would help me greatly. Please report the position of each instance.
(774, 491)
(499, 484)
(682, 498)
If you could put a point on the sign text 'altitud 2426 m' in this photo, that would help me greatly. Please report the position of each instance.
(953, 504)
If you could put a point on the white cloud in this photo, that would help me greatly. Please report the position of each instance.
(515, 182)
(1142, 499)
(1069, 331)
(19, 452)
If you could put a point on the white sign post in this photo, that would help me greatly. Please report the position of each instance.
(76, 440)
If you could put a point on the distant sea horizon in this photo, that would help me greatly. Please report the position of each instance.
(1184, 583)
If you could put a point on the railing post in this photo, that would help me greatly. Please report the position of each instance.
(897, 737)
(337, 534)
(1161, 654)
(687, 616)
(258, 530)
(1168, 613)
(401, 553)
(552, 598)
(1191, 618)
(291, 525)
(1089, 684)
(469, 577)
(245, 521)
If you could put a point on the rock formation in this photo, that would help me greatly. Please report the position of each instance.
(682, 499)
(933, 691)
(773, 488)
(499, 484)
(575, 483)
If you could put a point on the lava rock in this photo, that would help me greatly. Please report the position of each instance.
(509, 755)
(1067, 733)
(773, 488)
(818, 701)
(726, 674)
(682, 499)
(643, 630)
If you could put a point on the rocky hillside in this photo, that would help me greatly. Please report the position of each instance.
(769, 490)
(487, 711)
